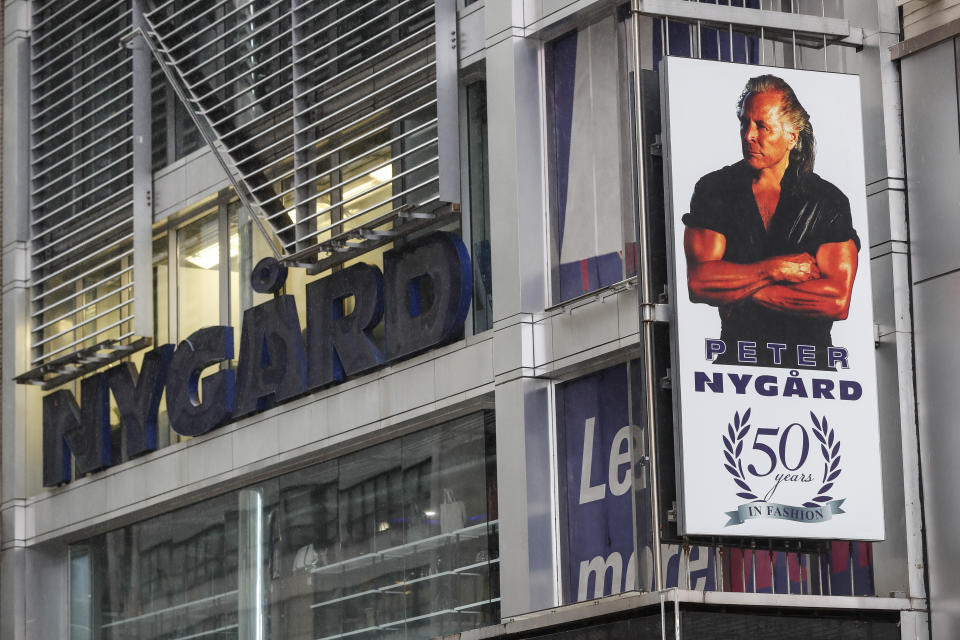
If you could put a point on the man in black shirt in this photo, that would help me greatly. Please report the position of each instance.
(769, 242)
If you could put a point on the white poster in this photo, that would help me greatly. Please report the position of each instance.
(774, 375)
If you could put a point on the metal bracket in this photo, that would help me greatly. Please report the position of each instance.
(56, 372)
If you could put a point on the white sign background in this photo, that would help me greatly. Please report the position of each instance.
(702, 135)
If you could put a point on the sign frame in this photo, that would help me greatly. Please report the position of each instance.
(774, 418)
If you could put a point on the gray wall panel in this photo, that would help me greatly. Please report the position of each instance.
(933, 159)
(527, 568)
(47, 610)
(540, 481)
(937, 307)
(878, 217)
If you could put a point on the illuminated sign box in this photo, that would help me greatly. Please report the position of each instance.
(773, 351)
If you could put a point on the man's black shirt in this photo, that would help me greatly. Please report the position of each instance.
(811, 212)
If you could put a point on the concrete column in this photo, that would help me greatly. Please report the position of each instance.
(525, 451)
(16, 435)
(900, 558)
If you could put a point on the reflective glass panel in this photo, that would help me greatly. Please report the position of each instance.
(397, 540)
(198, 275)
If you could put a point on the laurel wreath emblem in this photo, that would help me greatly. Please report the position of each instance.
(733, 447)
(829, 447)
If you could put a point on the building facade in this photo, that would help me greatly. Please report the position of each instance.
(352, 319)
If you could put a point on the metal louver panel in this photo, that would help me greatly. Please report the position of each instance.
(81, 213)
(325, 112)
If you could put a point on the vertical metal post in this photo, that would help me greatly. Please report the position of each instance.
(305, 206)
(730, 31)
(250, 585)
(676, 614)
(786, 556)
(823, 14)
(142, 178)
(666, 30)
(447, 99)
(743, 571)
(829, 552)
(772, 559)
(647, 316)
(720, 585)
(663, 617)
(850, 565)
(223, 243)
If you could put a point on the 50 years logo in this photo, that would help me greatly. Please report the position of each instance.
(782, 454)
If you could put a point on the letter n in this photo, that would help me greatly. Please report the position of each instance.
(138, 399)
(701, 380)
(67, 429)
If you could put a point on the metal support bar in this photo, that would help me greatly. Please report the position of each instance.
(208, 137)
(448, 96)
(250, 561)
(56, 372)
(647, 310)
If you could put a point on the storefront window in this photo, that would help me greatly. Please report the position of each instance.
(596, 416)
(397, 539)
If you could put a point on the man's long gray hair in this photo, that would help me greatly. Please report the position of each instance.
(802, 155)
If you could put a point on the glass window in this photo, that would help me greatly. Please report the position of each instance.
(233, 264)
(161, 327)
(174, 134)
(253, 247)
(81, 626)
(398, 538)
(367, 188)
(684, 39)
(198, 275)
(590, 142)
(161, 291)
(479, 186)
(594, 415)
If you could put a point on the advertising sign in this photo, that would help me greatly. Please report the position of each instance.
(599, 556)
(597, 447)
(275, 362)
(774, 375)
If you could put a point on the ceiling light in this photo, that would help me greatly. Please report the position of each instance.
(209, 256)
